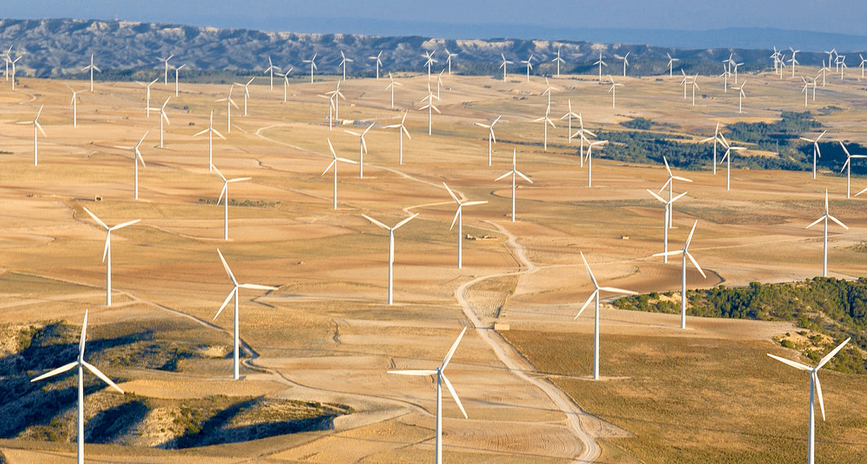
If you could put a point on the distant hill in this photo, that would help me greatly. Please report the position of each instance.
(60, 47)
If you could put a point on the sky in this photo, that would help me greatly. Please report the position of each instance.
(462, 18)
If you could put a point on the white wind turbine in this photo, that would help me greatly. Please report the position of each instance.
(570, 114)
(211, 132)
(336, 94)
(595, 295)
(136, 158)
(529, 63)
(694, 86)
(625, 61)
(816, 151)
(148, 98)
(601, 64)
(545, 120)
(582, 134)
(815, 390)
(390, 248)
(377, 62)
(492, 139)
(430, 109)
(547, 91)
(80, 363)
(246, 92)
(12, 62)
(429, 61)
(163, 117)
(717, 138)
(441, 379)
(794, 62)
(330, 108)
(234, 294)
(727, 157)
(824, 218)
(312, 62)
(684, 252)
(229, 104)
(74, 104)
(671, 64)
(362, 148)
(848, 167)
(106, 254)
(684, 82)
(459, 219)
(449, 56)
(805, 90)
(439, 83)
(670, 184)
(177, 72)
(401, 129)
(741, 96)
(224, 195)
(286, 84)
(391, 85)
(590, 159)
(863, 62)
(736, 66)
(514, 173)
(613, 91)
(558, 60)
(503, 65)
(7, 58)
(725, 75)
(270, 71)
(333, 164)
(91, 67)
(666, 220)
(343, 63)
(37, 128)
(166, 60)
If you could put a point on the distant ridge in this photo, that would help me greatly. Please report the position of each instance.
(127, 50)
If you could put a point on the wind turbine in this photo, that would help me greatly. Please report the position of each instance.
(741, 96)
(671, 64)
(343, 63)
(429, 61)
(717, 138)
(391, 86)
(625, 61)
(694, 86)
(430, 109)
(401, 129)
(166, 60)
(330, 109)
(670, 184)
(439, 83)
(725, 75)
(848, 167)
(229, 104)
(449, 60)
(7, 58)
(613, 91)
(514, 173)
(36, 129)
(547, 91)
(816, 151)
(234, 294)
(91, 67)
(571, 114)
(177, 71)
(459, 219)
(491, 137)
(211, 131)
(362, 148)
(503, 65)
(106, 254)
(246, 92)
(270, 70)
(80, 363)
(545, 120)
(225, 193)
(337, 95)
(333, 164)
(13, 69)
(582, 134)
(666, 220)
(590, 159)
(441, 379)
(529, 64)
(74, 104)
(558, 60)
(815, 390)
(824, 218)
(736, 66)
(728, 159)
(595, 295)
(148, 98)
(163, 116)
(390, 248)
(377, 62)
(136, 157)
(684, 82)
(794, 62)
(863, 62)
(805, 90)
(684, 252)
(312, 62)
(286, 84)
(601, 64)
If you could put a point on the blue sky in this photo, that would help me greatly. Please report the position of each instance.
(458, 17)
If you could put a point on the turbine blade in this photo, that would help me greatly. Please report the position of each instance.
(695, 263)
(830, 355)
(689, 239)
(452, 350)
(57, 371)
(399, 224)
(473, 203)
(107, 245)
(503, 176)
(656, 196)
(376, 222)
(99, 374)
(415, 372)
(586, 303)
(451, 193)
(794, 364)
(121, 226)
(454, 394)
(457, 215)
(98, 221)
(226, 265)
(815, 378)
(228, 299)
(816, 222)
(258, 287)
(838, 222)
(521, 174)
(618, 290)
(587, 266)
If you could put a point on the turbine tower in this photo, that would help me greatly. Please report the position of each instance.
(390, 249)
(824, 218)
(91, 67)
(211, 132)
(684, 252)
(401, 129)
(816, 151)
(36, 129)
(136, 157)
(492, 139)
(514, 173)
(225, 193)
(362, 148)
(459, 219)
(847, 166)
(106, 254)
(333, 164)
